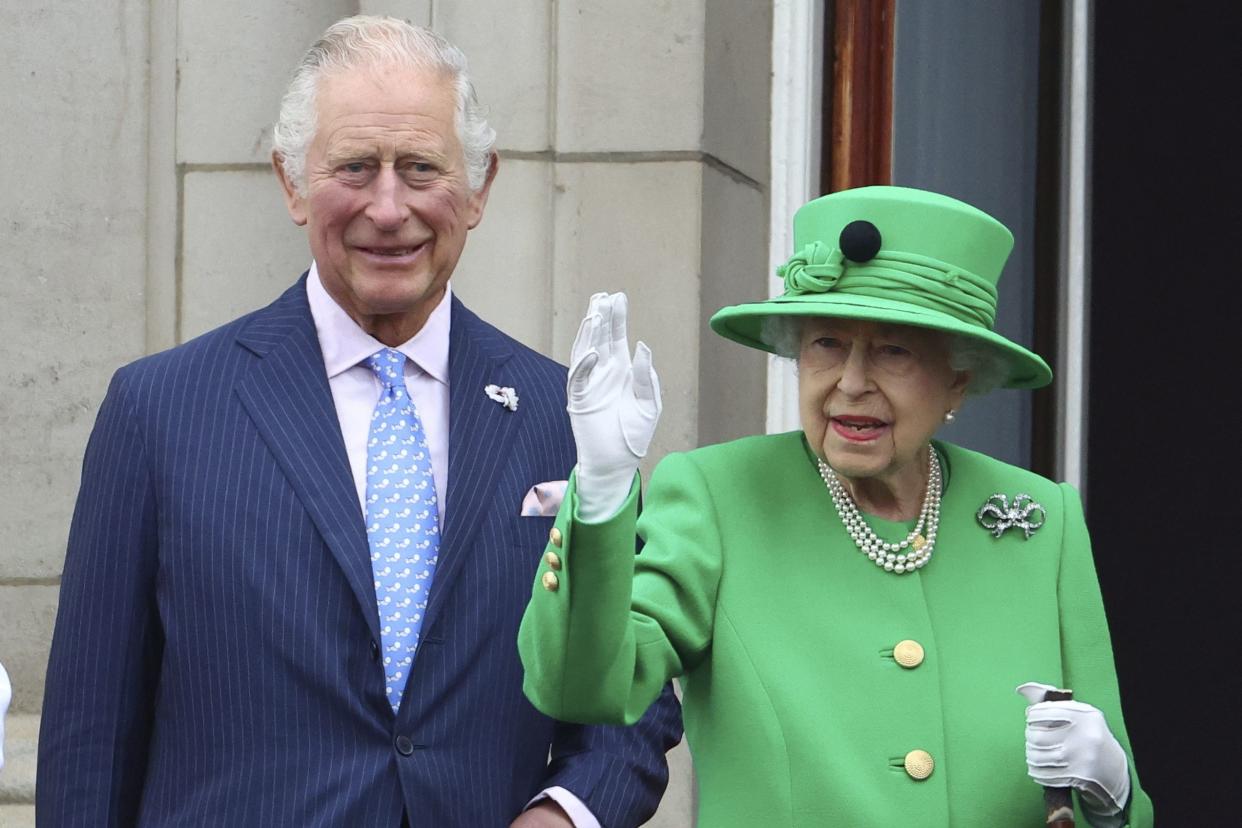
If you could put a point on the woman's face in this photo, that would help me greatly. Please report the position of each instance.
(871, 395)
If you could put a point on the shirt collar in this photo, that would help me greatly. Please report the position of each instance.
(345, 344)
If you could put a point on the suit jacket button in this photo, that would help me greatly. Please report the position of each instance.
(550, 582)
(404, 746)
(374, 650)
(919, 764)
(553, 559)
(556, 537)
(908, 654)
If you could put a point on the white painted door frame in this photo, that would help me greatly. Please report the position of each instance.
(797, 92)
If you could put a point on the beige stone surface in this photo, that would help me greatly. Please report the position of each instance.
(27, 615)
(629, 76)
(505, 272)
(72, 206)
(732, 393)
(239, 251)
(234, 59)
(17, 816)
(737, 85)
(17, 777)
(417, 12)
(635, 227)
(508, 44)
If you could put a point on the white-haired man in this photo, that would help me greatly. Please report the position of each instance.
(299, 557)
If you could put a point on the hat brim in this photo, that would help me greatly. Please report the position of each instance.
(744, 324)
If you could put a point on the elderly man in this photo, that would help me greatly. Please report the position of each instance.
(300, 554)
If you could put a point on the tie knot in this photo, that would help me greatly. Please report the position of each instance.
(389, 367)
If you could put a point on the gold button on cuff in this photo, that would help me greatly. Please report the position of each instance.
(550, 582)
(919, 764)
(556, 537)
(553, 560)
(908, 654)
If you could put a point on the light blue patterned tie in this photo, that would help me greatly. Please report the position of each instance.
(403, 520)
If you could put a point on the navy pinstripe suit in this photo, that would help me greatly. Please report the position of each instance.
(215, 658)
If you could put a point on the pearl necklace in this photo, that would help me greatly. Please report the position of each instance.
(891, 557)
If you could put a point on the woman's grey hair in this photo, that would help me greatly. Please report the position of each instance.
(783, 334)
(367, 41)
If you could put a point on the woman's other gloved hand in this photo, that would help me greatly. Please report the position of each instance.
(1069, 745)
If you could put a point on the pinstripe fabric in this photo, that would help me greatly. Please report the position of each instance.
(212, 661)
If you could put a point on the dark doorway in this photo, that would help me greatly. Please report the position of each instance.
(1164, 454)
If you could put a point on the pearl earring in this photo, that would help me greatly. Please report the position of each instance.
(950, 415)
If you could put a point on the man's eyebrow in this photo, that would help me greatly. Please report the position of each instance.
(350, 151)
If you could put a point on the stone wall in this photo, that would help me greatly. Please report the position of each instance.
(139, 210)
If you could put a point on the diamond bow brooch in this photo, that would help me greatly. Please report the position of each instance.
(997, 514)
(506, 396)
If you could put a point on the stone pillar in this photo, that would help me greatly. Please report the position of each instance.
(73, 213)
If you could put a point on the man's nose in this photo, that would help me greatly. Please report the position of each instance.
(387, 209)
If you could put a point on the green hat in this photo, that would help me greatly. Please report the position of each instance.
(896, 255)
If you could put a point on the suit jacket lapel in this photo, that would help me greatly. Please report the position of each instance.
(480, 431)
(286, 393)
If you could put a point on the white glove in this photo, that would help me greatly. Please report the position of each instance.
(1069, 745)
(614, 405)
(6, 695)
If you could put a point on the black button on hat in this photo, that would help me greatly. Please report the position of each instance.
(860, 241)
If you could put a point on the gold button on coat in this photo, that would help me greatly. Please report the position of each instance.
(556, 537)
(919, 764)
(553, 559)
(908, 654)
(550, 582)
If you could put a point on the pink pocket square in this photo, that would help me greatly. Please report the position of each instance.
(544, 499)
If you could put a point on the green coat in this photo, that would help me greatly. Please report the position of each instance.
(796, 711)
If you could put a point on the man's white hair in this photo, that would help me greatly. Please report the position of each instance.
(373, 42)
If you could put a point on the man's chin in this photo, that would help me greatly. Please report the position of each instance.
(383, 294)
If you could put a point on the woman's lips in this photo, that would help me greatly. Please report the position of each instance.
(858, 429)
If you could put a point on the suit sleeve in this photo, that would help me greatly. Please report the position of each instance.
(1086, 646)
(618, 626)
(107, 644)
(618, 773)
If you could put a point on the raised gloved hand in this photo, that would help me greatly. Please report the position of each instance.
(614, 404)
(1069, 745)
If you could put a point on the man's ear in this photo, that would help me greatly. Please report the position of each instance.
(294, 202)
(479, 200)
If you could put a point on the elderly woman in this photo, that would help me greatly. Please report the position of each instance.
(849, 606)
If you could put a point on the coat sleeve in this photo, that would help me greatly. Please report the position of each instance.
(617, 627)
(619, 773)
(1086, 647)
(107, 643)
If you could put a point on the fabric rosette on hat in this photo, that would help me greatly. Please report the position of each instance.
(896, 255)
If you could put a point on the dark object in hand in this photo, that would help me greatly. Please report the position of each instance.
(1059, 802)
